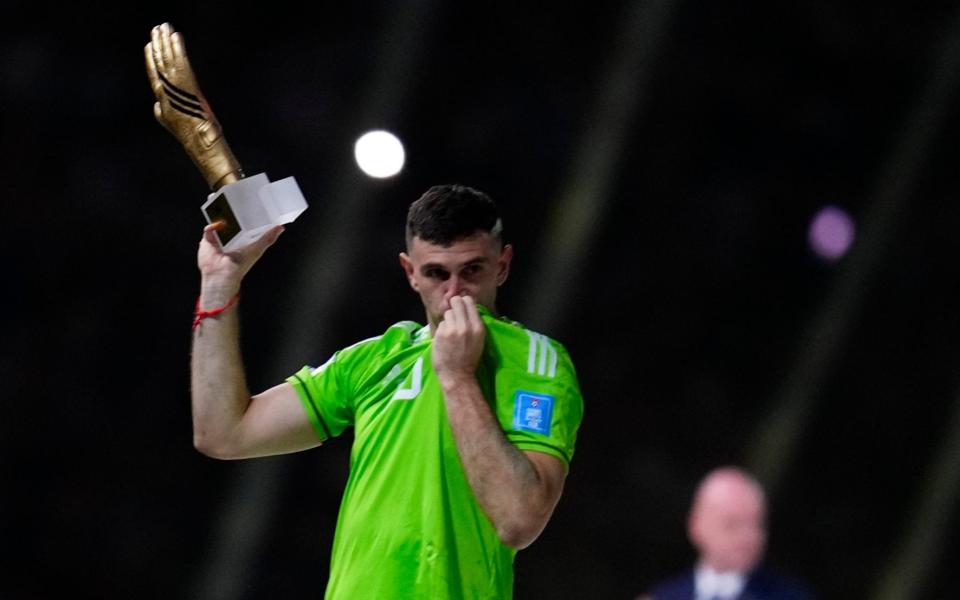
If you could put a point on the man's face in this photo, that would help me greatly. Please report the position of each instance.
(474, 266)
(728, 526)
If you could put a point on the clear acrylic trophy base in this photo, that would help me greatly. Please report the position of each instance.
(251, 206)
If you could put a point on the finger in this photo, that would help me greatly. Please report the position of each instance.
(155, 47)
(445, 320)
(260, 245)
(165, 50)
(450, 314)
(271, 236)
(459, 310)
(177, 47)
(155, 83)
(473, 315)
(209, 234)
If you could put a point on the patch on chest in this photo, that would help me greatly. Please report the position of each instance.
(532, 412)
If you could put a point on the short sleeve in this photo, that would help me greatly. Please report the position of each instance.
(539, 404)
(325, 395)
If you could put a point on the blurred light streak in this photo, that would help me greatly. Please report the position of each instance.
(927, 530)
(251, 500)
(778, 437)
(579, 212)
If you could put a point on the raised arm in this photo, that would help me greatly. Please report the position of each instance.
(517, 490)
(227, 422)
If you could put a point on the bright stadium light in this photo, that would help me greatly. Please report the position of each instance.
(379, 154)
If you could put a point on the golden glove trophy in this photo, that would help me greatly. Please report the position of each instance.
(246, 206)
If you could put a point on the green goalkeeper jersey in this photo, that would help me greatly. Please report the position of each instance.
(409, 524)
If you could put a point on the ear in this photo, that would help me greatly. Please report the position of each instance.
(407, 265)
(503, 264)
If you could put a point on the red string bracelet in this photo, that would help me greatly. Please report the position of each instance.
(199, 315)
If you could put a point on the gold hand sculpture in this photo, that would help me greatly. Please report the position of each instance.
(184, 112)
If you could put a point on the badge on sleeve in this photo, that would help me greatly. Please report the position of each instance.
(532, 412)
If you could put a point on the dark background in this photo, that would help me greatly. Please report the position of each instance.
(657, 163)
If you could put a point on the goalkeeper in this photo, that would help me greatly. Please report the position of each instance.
(464, 426)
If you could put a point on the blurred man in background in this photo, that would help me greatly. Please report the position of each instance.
(727, 526)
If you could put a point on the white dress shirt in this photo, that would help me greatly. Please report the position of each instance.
(710, 584)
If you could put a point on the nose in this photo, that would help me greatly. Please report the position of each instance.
(454, 288)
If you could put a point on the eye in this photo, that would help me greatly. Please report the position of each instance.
(472, 269)
(437, 273)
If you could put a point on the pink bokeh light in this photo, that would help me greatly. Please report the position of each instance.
(831, 233)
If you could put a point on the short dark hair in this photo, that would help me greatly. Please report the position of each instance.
(445, 214)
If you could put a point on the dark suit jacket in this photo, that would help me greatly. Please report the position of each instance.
(762, 584)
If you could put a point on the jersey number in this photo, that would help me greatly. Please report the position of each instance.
(409, 390)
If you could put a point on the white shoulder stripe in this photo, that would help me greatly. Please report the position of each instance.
(552, 369)
(532, 356)
(542, 356)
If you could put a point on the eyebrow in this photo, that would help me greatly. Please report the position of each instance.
(472, 261)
